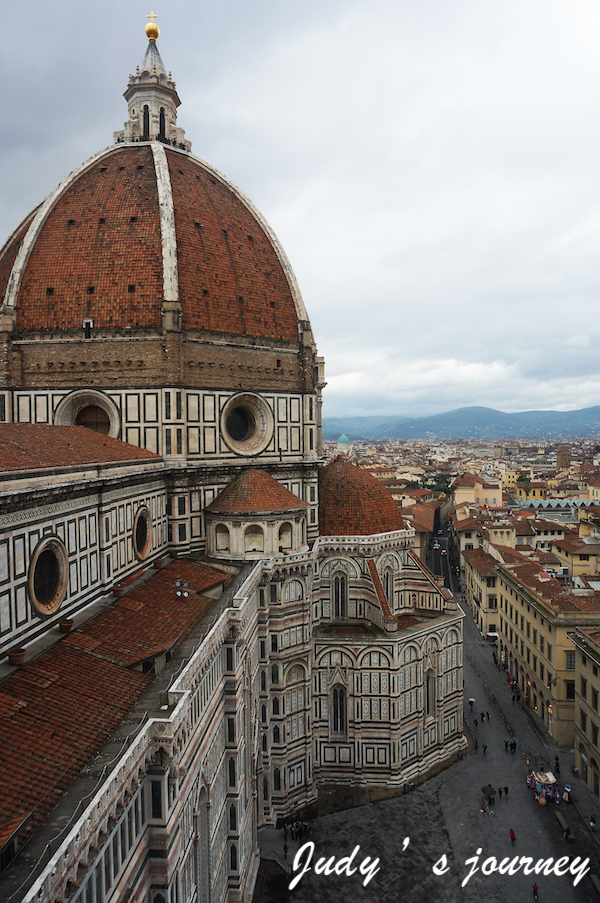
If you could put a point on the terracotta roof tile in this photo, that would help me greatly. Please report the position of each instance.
(383, 602)
(230, 278)
(255, 492)
(480, 561)
(33, 446)
(354, 503)
(405, 621)
(104, 231)
(54, 717)
(98, 254)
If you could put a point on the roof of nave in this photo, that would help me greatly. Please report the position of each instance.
(36, 446)
(352, 502)
(255, 491)
(58, 708)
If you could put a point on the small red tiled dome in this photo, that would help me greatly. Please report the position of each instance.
(352, 502)
(255, 492)
(140, 224)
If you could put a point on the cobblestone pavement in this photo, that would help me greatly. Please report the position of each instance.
(443, 816)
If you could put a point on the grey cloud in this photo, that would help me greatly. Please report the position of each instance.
(430, 168)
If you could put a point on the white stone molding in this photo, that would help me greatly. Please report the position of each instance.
(167, 223)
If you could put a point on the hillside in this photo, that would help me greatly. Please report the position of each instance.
(469, 423)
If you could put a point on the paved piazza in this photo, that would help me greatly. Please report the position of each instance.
(443, 816)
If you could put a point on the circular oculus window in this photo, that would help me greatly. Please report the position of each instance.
(247, 424)
(48, 577)
(142, 533)
(89, 408)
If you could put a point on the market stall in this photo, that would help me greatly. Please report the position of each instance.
(546, 788)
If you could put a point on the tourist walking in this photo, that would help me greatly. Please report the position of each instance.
(535, 891)
(500, 789)
(506, 791)
(484, 748)
(512, 836)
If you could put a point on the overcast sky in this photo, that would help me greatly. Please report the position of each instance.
(432, 168)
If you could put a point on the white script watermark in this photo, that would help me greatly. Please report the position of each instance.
(367, 867)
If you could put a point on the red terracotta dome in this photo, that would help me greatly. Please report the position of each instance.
(352, 502)
(140, 224)
(255, 492)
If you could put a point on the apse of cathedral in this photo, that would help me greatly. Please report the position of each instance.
(201, 623)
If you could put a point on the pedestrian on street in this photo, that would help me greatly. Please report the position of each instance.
(506, 746)
(471, 704)
(476, 743)
(500, 789)
(506, 791)
(488, 715)
(482, 716)
(285, 850)
(484, 748)
(535, 891)
(513, 699)
(476, 722)
(513, 837)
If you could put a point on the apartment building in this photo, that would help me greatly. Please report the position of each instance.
(587, 714)
(536, 618)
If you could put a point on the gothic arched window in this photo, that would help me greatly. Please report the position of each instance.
(338, 711)
(146, 123)
(430, 694)
(388, 586)
(340, 596)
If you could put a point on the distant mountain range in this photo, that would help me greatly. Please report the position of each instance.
(469, 423)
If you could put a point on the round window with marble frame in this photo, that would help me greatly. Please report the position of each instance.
(48, 576)
(142, 533)
(71, 410)
(247, 424)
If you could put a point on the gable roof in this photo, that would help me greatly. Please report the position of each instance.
(54, 717)
(36, 446)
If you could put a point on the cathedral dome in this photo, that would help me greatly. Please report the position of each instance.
(255, 492)
(354, 503)
(142, 231)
